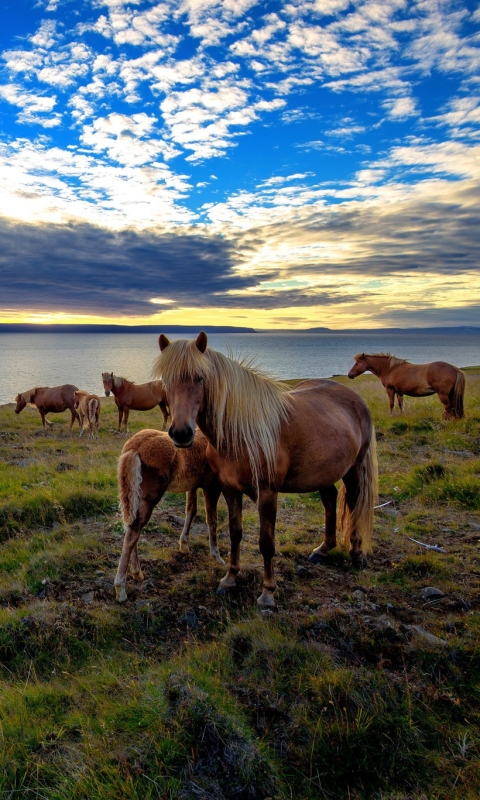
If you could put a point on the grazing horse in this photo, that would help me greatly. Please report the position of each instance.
(49, 398)
(264, 439)
(136, 397)
(88, 407)
(149, 466)
(415, 380)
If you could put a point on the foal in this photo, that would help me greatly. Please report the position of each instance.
(150, 465)
(88, 408)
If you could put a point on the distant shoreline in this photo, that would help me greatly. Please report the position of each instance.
(25, 327)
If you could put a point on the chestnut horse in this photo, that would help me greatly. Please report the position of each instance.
(149, 466)
(49, 399)
(88, 407)
(415, 380)
(136, 397)
(264, 439)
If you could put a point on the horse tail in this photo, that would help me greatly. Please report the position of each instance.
(457, 393)
(360, 517)
(92, 411)
(129, 485)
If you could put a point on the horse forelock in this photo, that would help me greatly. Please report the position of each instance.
(246, 407)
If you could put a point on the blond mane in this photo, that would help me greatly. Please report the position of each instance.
(247, 407)
(393, 362)
(27, 396)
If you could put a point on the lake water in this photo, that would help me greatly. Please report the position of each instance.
(48, 359)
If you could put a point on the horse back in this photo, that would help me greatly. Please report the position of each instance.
(55, 398)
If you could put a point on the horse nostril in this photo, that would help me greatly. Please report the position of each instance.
(181, 436)
(170, 431)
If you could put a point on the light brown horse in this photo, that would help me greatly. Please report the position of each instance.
(264, 439)
(88, 408)
(49, 399)
(149, 466)
(136, 397)
(415, 380)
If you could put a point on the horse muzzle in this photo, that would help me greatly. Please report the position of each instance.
(107, 394)
(182, 437)
(351, 375)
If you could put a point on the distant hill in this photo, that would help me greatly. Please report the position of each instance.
(26, 327)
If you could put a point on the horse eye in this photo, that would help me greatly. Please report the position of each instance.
(199, 379)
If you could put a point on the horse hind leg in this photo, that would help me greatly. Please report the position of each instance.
(359, 493)
(329, 500)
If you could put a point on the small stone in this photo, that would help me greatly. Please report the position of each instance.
(426, 636)
(88, 597)
(358, 595)
(99, 572)
(431, 593)
(190, 619)
(301, 570)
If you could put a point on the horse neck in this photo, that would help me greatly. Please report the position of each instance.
(118, 388)
(379, 365)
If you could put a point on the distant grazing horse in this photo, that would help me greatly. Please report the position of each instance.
(264, 439)
(49, 398)
(88, 408)
(149, 466)
(136, 397)
(415, 380)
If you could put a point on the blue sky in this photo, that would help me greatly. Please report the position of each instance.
(281, 165)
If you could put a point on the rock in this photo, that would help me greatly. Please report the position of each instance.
(426, 636)
(358, 595)
(200, 528)
(88, 597)
(432, 593)
(190, 619)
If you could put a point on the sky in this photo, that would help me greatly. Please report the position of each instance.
(271, 164)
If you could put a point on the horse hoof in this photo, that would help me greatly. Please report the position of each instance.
(360, 563)
(266, 600)
(318, 558)
(221, 591)
(120, 594)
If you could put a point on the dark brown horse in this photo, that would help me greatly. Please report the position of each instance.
(415, 380)
(264, 439)
(136, 397)
(149, 466)
(49, 399)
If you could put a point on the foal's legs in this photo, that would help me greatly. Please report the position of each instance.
(267, 509)
(211, 496)
(234, 503)
(329, 500)
(151, 496)
(190, 511)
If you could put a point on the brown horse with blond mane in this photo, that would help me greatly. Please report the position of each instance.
(150, 465)
(48, 399)
(399, 377)
(130, 396)
(264, 439)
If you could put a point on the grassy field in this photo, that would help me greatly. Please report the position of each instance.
(361, 686)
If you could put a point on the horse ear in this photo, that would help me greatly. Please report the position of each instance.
(163, 342)
(201, 341)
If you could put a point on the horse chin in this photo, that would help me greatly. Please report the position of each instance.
(181, 445)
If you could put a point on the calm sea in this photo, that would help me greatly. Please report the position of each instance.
(48, 359)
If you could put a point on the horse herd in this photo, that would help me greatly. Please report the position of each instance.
(236, 431)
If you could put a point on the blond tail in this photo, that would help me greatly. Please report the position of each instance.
(360, 518)
(129, 485)
(92, 412)
(458, 392)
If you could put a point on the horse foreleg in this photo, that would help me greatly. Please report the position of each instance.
(190, 511)
(211, 500)
(120, 417)
(391, 398)
(164, 410)
(125, 421)
(234, 503)
(267, 509)
(329, 500)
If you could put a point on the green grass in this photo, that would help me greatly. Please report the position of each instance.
(340, 693)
